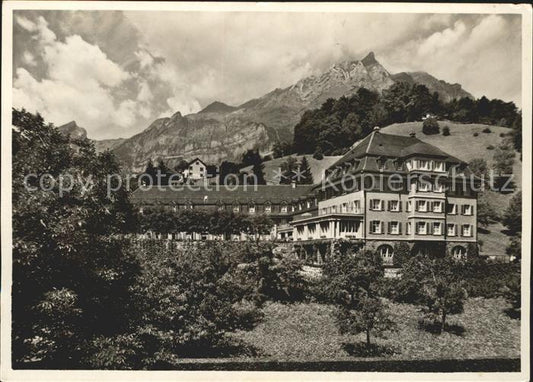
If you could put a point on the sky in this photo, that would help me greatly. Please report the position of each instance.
(115, 72)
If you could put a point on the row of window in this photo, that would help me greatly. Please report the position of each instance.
(421, 228)
(425, 165)
(353, 207)
(428, 187)
(421, 206)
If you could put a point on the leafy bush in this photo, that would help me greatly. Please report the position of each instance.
(486, 130)
(476, 134)
(186, 299)
(502, 135)
(402, 253)
(445, 131)
(490, 147)
(430, 126)
(489, 280)
(272, 277)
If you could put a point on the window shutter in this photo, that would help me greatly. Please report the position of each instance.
(382, 227)
(389, 205)
(400, 205)
(389, 225)
(463, 209)
(399, 228)
(382, 205)
(462, 230)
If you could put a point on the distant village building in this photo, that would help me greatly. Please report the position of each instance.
(197, 170)
(386, 189)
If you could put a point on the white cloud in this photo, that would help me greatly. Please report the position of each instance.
(482, 54)
(78, 62)
(145, 94)
(164, 62)
(145, 58)
(125, 115)
(28, 25)
(183, 103)
(78, 85)
(29, 59)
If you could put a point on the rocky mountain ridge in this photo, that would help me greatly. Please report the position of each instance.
(222, 132)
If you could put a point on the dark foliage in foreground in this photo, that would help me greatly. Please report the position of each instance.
(70, 270)
(189, 295)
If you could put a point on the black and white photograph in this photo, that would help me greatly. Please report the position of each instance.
(195, 189)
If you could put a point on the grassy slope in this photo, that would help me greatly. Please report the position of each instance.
(308, 332)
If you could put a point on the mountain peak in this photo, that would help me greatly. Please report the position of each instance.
(217, 107)
(369, 59)
(73, 130)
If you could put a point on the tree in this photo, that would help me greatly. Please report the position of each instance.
(351, 280)
(504, 159)
(446, 131)
(516, 134)
(149, 177)
(486, 214)
(189, 297)
(163, 172)
(71, 267)
(251, 157)
(181, 166)
(318, 153)
(288, 169)
(430, 126)
(305, 172)
(438, 279)
(258, 170)
(514, 249)
(281, 149)
(228, 173)
(512, 217)
(479, 167)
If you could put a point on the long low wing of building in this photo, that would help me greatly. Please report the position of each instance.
(385, 189)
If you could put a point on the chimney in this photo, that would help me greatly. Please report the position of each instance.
(293, 183)
(412, 134)
(376, 129)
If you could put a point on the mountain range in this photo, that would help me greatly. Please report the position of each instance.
(223, 132)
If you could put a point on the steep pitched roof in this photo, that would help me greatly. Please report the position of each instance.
(211, 195)
(197, 159)
(395, 146)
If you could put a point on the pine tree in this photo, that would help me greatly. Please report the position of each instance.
(164, 172)
(306, 177)
(149, 177)
(259, 171)
(288, 169)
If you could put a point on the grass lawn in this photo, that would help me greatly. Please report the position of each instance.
(307, 331)
(495, 241)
